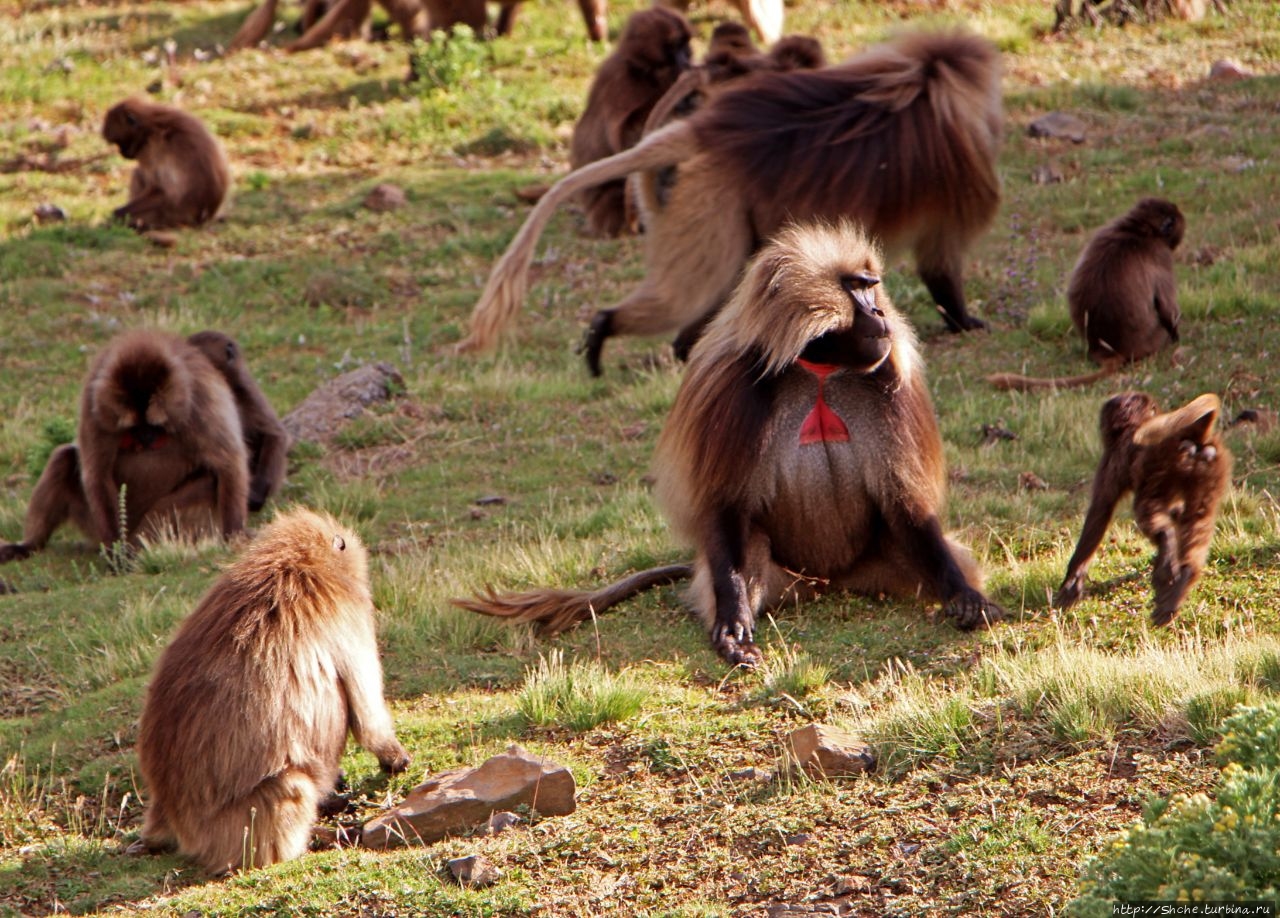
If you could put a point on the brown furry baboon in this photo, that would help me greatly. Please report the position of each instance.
(802, 453)
(1178, 469)
(1122, 294)
(182, 176)
(763, 16)
(902, 138)
(652, 52)
(264, 436)
(249, 707)
(159, 430)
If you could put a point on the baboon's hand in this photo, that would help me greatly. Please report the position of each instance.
(733, 641)
(969, 609)
(1069, 593)
(394, 760)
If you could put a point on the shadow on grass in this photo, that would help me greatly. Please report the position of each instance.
(77, 876)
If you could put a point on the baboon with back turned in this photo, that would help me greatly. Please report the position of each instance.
(902, 138)
(250, 704)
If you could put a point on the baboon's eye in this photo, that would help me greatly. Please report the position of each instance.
(339, 544)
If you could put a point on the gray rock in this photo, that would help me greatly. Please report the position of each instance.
(1058, 125)
(385, 197)
(464, 798)
(332, 406)
(1228, 71)
(473, 871)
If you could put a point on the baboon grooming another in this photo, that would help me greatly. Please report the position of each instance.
(182, 176)
(802, 454)
(264, 436)
(652, 52)
(1178, 469)
(902, 138)
(248, 710)
(1122, 294)
(158, 424)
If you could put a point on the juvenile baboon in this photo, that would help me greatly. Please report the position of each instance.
(182, 176)
(651, 54)
(802, 454)
(902, 138)
(249, 707)
(1122, 294)
(1178, 469)
(265, 437)
(159, 430)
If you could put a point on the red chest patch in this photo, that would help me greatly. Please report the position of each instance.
(131, 444)
(822, 424)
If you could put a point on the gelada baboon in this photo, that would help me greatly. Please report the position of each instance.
(802, 454)
(264, 436)
(1122, 294)
(249, 707)
(182, 176)
(652, 52)
(902, 138)
(1178, 469)
(158, 429)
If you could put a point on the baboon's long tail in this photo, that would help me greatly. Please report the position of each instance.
(1019, 383)
(555, 610)
(509, 280)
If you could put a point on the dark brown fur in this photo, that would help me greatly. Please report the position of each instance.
(265, 437)
(776, 517)
(182, 176)
(1122, 294)
(249, 707)
(651, 54)
(902, 138)
(158, 422)
(1178, 470)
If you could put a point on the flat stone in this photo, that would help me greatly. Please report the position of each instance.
(826, 752)
(1058, 125)
(464, 798)
(331, 407)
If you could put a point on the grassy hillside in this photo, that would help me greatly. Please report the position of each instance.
(1008, 758)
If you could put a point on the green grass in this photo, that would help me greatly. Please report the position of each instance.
(1008, 758)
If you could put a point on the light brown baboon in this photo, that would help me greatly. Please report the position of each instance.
(652, 52)
(182, 176)
(158, 425)
(763, 16)
(264, 436)
(249, 707)
(802, 454)
(902, 138)
(1122, 294)
(1178, 469)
